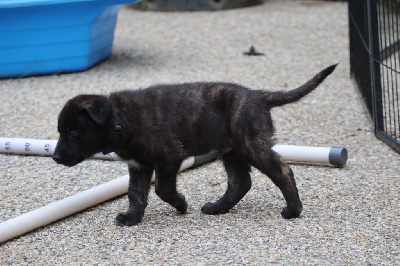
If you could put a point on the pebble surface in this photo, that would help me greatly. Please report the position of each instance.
(351, 214)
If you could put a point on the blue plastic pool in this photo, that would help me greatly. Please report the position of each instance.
(55, 36)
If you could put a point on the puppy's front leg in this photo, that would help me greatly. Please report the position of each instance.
(166, 185)
(138, 192)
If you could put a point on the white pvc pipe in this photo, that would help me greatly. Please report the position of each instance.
(63, 208)
(72, 204)
(332, 155)
(38, 147)
(302, 153)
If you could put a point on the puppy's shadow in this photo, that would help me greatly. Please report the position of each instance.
(316, 165)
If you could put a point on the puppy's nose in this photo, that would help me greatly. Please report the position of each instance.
(57, 158)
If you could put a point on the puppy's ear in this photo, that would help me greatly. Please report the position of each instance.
(98, 110)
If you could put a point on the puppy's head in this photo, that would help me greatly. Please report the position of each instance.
(84, 127)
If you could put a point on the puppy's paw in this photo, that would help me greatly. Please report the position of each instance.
(124, 219)
(181, 205)
(289, 213)
(213, 208)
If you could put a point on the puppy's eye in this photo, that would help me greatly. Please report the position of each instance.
(72, 134)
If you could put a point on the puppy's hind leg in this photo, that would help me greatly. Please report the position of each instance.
(268, 162)
(166, 185)
(138, 191)
(239, 183)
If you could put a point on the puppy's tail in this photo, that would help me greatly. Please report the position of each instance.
(279, 98)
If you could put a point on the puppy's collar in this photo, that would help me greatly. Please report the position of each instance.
(117, 124)
(117, 136)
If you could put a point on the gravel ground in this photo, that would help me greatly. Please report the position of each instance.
(351, 214)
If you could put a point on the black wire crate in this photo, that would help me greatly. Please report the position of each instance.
(375, 63)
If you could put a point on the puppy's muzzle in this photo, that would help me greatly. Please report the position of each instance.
(57, 158)
(67, 159)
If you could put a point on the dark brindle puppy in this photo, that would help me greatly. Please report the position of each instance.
(158, 127)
